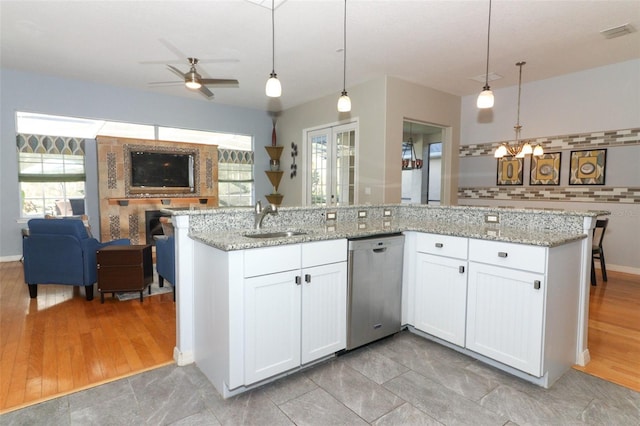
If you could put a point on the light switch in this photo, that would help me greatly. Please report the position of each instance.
(332, 215)
(362, 214)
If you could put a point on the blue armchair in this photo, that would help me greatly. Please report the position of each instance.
(166, 260)
(60, 251)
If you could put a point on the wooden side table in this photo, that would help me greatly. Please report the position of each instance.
(124, 268)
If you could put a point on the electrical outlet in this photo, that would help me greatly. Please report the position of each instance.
(362, 226)
(362, 214)
(491, 218)
(386, 213)
(332, 215)
(386, 223)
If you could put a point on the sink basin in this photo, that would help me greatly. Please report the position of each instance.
(279, 234)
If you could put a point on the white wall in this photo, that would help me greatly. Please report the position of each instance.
(594, 100)
(410, 101)
(368, 107)
(600, 99)
(51, 95)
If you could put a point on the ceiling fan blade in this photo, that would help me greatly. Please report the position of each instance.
(166, 83)
(176, 71)
(181, 61)
(220, 82)
(206, 92)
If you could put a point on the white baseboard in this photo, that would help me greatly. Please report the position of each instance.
(10, 258)
(182, 358)
(622, 268)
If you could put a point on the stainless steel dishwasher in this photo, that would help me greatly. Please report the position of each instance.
(374, 288)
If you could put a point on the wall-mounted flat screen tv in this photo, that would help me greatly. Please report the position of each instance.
(161, 171)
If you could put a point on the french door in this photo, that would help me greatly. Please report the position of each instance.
(331, 176)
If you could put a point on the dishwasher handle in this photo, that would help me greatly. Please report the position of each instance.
(380, 250)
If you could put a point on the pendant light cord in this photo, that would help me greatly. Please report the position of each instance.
(273, 38)
(486, 76)
(518, 126)
(344, 50)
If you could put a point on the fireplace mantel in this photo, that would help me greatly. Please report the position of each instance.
(123, 216)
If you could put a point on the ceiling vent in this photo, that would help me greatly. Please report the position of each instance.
(618, 31)
(492, 76)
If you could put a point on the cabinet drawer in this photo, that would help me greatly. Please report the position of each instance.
(509, 255)
(442, 245)
(323, 252)
(269, 260)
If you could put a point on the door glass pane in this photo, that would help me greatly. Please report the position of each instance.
(319, 169)
(345, 167)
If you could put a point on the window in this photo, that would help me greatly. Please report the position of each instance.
(51, 174)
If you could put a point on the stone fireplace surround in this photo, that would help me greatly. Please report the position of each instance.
(122, 214)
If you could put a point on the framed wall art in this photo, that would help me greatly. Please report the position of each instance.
(588, 167)
(545, 169)
(510, 171)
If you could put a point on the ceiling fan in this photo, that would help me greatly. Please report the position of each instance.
(194, 81)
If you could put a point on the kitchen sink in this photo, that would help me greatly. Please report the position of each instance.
(279, 234)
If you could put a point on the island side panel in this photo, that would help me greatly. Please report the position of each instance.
(184, 267)
(562, 319)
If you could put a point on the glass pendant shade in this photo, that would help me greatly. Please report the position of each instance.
(344, 103)
(538, 151)
(485, 99)
(526, 149)
(273, 89)
(500, 152)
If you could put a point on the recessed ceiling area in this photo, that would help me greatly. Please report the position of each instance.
(437, 44)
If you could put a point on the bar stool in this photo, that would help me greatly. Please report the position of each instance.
(597, 252)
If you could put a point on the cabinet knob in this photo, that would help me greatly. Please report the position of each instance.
(439, 245)
(298, 279)
(502, 254)
(307, 278)
(536, 284)
(461, 269)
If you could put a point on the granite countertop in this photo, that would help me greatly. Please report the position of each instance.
(235, 240)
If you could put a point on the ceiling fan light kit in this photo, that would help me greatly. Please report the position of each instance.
(485, 99)
(192, 80)
(344, 102)
(273, 88)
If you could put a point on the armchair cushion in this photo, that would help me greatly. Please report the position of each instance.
(61, 252)
(166, 260)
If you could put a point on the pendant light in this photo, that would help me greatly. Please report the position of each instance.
(273, 89)
(344, 103)
(485, 99)
(520, 149)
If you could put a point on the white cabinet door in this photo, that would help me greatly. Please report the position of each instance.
(324, 310)
(505, 316)
(272, 325)
(440, 297)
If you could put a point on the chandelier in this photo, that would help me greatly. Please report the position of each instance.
(520, 149)
(413, 162)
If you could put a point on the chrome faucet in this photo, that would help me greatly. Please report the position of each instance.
(260, 213)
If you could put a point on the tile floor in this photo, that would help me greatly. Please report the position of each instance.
(402, 380)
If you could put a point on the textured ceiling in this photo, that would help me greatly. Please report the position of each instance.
(439, 44)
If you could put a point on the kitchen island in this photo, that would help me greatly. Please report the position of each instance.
(541, 263)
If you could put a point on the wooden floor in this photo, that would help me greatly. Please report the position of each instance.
(614, 330)
(60, 343)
